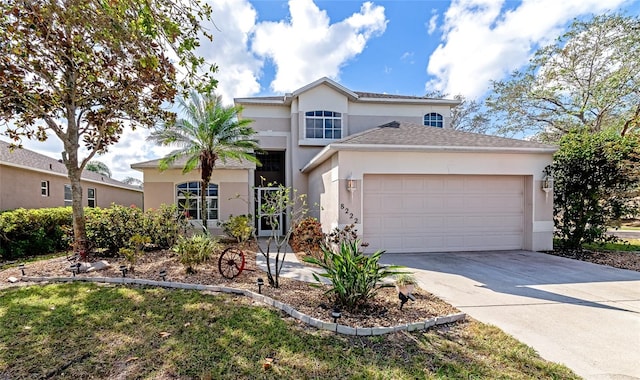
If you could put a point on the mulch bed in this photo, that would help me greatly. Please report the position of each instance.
(382, 311)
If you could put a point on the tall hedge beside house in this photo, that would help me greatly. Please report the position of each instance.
(25, 232)
(40, 231)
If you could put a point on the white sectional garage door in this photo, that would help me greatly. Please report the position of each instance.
(433, 213)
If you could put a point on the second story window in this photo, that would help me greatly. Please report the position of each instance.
(323, 125)
(433, 120)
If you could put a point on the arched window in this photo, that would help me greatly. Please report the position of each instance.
(188, 200)
(433, 120)
(323, 125)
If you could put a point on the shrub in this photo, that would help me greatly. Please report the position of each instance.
(112, 228)
(239, 227)
(35, 231)
(39, 231)
(136, 247)
(307, 236)
(164, 225)
(195, 250)
(355, 277)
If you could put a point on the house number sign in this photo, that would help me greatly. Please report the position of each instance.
(349, 213)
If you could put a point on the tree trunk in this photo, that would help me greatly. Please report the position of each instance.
(80, 246)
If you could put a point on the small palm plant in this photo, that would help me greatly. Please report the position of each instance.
(355, 277)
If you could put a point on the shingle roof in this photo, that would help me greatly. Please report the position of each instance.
(32, 160)
(412, 134)
(405, 136)
(229, 164)
(376, 95)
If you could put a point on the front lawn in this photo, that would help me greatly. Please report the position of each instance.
(82, 330)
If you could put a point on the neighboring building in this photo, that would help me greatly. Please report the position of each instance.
(391, 165)
(32, 180)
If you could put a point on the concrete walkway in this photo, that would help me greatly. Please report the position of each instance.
(583, 315)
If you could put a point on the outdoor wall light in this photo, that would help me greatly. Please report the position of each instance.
(260, 283)
(336, 314)
(21, 267)
(352, 184)
(547, 183)
(123, 269)
(163, 275)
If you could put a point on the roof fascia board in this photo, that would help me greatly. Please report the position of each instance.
(444, 148)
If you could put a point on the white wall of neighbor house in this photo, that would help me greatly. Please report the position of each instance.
(538, 223)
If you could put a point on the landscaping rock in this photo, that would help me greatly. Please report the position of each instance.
(12, 280)
(98, 265)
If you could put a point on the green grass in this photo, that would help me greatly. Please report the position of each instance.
(70, 331)
(628, 245)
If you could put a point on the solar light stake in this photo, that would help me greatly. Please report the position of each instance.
(73, 268)
(123, 269)
(335, 314)
(21, 266)
(163, 275)
(260, 282)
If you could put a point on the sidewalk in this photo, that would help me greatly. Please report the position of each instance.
(292, 267)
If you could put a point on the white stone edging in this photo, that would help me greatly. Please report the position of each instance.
(319, 324)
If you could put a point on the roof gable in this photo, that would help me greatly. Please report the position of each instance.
(355, 96)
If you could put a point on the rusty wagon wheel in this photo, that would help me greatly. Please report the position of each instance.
(231, 262)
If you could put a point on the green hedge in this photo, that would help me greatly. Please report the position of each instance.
(41, 231)
(35, 231)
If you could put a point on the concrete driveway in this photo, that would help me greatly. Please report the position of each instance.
(583, 315)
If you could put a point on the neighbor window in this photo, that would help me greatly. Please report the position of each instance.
(44, 188)
(91, 197)
(188, 200)
(433, 120)
(323, 125)
(68, 195)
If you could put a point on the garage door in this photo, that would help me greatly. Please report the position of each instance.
(432, 213)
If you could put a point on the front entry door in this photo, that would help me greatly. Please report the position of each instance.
(264, 225)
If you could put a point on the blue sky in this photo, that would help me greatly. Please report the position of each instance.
(266, 47)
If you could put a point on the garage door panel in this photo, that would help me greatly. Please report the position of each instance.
(427, 213)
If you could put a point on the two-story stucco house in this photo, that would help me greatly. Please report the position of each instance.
(391, 165)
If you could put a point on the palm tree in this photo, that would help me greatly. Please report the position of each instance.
(98, 167)
(208, 132)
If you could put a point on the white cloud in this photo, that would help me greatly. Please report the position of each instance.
(433, 22)
(308, 46)
(238, 69)
(481, 42)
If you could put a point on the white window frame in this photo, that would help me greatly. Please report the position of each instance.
(325, 121)
(90, 198)
(44, 188)
(433, 119)
(193, 211)
(69, 201)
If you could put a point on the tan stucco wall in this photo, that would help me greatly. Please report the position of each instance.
(233, 190)
(21, 188)
(323, 195)
(538, 207)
